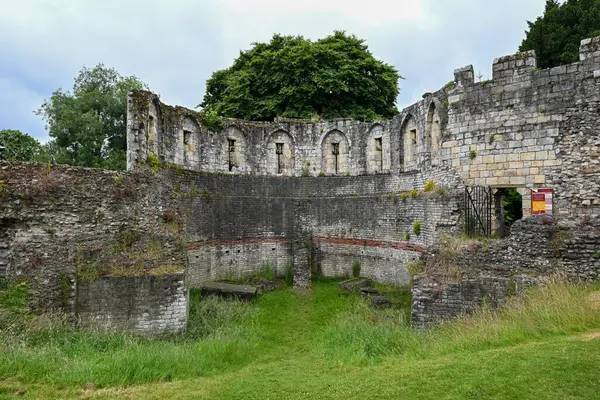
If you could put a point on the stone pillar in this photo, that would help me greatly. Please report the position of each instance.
(464, 76)
(302, 260)
(508, 67)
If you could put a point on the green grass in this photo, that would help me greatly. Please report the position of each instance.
(325, 345)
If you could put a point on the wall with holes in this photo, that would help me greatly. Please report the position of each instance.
(175, 135)
(239, 225)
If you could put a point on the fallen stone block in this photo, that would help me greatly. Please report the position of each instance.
(368, 291)
(353, 284)
(229, 290)
(378, 301)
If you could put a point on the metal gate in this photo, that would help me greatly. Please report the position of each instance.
(478, 210)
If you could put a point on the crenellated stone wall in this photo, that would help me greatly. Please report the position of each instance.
(525, 128)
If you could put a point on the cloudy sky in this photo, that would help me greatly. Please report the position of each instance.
(175, 45)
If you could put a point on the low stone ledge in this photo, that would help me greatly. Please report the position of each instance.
(148, 305)
(229, 290)
(353, 284)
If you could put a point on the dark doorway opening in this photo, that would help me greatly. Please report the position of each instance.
(509, 209)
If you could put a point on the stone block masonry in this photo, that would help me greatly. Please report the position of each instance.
(539, 247)
(218, 203)
(148, 305)
(525, 128)
(302, 252)
(218, 260)
(433, 301)
(58, 222)
(239, 225)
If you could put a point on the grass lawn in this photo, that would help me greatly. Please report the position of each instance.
(329, 345)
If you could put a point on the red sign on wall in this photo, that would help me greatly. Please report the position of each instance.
(541, 201)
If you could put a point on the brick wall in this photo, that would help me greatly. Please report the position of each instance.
(238, 224)
(147, 305)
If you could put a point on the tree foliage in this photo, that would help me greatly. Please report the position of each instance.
(557, 34)
(294, 77)
(18, 146)
(89, 125)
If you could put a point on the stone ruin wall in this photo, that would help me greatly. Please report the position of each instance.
(525, 128)
(529, 128)
(539, 248)
(154, 304)
(244, 193)
(239, 224)
(177, 136)
(61, 221)
(68, 229)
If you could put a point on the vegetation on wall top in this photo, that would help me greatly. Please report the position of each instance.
(556, 35)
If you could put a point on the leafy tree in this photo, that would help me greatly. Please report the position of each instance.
(18, 146)
(89, 125)
(556, 35)
(513, 206)
(296, 78)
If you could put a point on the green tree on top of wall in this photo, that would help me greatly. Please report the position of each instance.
(294, 77)
(18, 146)
(556, 35)
(22, 147)
(89, 124)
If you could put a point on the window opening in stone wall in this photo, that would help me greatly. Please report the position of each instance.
(379, 152)
(335, 151)
(231, 152)
(186, 137)
(279, 152)
(151, 127)
(435, 136)
(413, 140)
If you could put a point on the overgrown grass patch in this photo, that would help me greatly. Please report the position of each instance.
(329, 344)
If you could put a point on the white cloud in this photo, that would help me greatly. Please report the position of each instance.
(175, 46)
(373, 12)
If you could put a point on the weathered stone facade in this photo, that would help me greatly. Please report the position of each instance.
(239, 225)
(64, 228)
(230, 203)
(539, 247)
(433, 301)
(149, 305)
(285, 147)
(526, 128)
